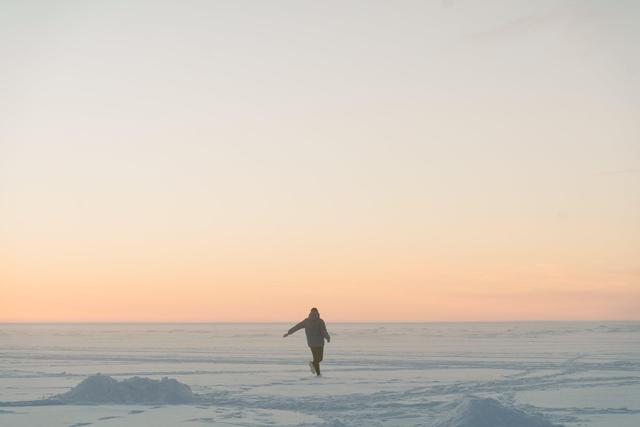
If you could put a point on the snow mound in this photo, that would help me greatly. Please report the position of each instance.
(104, 389)
(482, 412)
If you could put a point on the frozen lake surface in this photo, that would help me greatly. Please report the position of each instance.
(583, 374)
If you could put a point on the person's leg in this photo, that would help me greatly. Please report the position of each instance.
(317, 358)
(312, 364)
(320, 355)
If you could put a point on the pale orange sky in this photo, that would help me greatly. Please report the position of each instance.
(383, 161)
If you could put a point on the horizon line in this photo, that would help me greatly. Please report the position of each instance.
(159, 322)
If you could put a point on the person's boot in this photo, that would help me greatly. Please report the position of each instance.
(316, 367)
(313, 368)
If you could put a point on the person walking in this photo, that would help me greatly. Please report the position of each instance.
(316, 331)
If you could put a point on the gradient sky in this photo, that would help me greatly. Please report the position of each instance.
(381, 160)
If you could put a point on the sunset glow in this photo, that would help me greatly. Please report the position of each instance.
(163, 163)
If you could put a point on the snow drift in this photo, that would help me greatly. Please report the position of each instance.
(105, 389)
(482, 412)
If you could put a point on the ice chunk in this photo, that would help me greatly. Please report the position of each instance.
(105, 389)
(482, 412)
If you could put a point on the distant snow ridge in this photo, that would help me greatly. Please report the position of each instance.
(481, 412)
(104, 389)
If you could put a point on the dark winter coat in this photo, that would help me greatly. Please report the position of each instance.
(315, 329)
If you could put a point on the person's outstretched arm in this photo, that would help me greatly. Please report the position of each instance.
(323, 329)
(294, 329)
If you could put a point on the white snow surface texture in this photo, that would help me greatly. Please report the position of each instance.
(524, 374)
